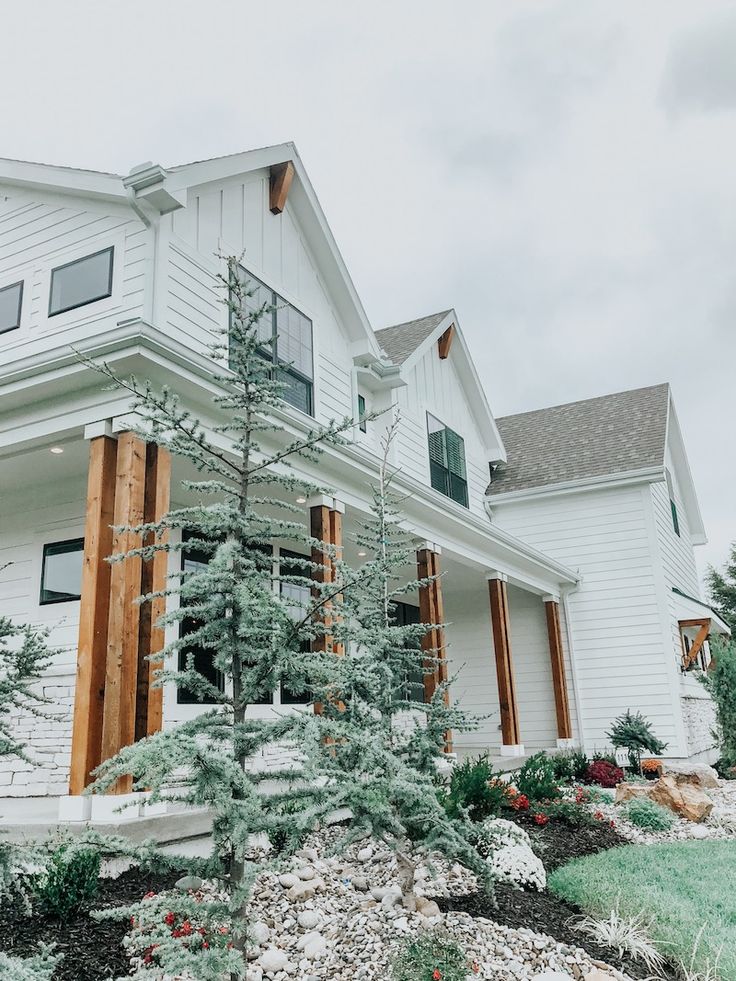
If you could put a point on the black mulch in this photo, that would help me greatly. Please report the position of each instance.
(92, 950)
(555, 843)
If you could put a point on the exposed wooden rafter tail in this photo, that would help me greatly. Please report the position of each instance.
(445, 342)
(281, 177)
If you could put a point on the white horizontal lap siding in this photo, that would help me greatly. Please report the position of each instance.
(434, 387)
(532, 669)
(25, 526)
(232, 217)
(617, 618)
(471, 658)
(38, 235)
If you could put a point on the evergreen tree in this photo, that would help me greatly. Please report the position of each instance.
(236, 607)
(722, 588)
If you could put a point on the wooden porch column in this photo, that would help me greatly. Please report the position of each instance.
(149, 701)
(557, 659)
(325, 520)
(432, 610)
(510, 731)
(93, 613)
(121, 674)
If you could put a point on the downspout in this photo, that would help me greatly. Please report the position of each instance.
(564, 596)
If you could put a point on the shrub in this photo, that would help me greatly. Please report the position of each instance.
(645, 814)
(632, 732)
(69, 879)
(604, 773)
(431, 956)
(569, 812)
(720, 682)
(569, 766)
(476, 789)
(518, 866)
(536, 778)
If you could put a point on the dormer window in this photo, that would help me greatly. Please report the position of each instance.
(11, 301)
(673, 505)
(81, 281)
(286, 335)
(447, 472)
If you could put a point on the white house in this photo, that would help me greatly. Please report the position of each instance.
(558, 577)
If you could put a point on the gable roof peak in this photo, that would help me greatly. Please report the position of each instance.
(400, 341)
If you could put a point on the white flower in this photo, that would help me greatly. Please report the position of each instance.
(518, 865)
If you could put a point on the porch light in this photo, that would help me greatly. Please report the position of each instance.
(362, 554)
(57, 449)
(301, 500)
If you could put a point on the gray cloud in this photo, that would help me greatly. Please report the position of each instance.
(700, 75)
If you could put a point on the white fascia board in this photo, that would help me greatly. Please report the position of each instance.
(684, 476)
(307, 208)
(66, 180)
(604, 482)
(433, 516)
(472, 385)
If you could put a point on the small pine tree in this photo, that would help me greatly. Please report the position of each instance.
(633, 732)
(722, 588)
(235, 607)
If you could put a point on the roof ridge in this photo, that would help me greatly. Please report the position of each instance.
(592, 398)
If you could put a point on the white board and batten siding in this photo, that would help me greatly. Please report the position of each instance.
(232, 218)
(41, 231)
(29, 521)
(433, 386)
(618, 612)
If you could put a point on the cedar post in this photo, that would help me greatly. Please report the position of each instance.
(557, 659)
(149, 701)
(118, 726)
(432, 611)
(510, 731)
(93, 613)
(325, 518)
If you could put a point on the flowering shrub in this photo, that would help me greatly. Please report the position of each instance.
(651, 768)
(541, 818)
(519, 866)
(432, 956)
(604, 773)
(182, 934)
(495, 833)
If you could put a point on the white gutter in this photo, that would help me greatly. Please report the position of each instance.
(564, 597)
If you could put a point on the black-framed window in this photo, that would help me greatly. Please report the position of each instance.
(673, 505)
(286, 337)
(300, 595)
(404, 615)
(447, 470)
(81, 281)
(361, 414)
(11, 303)
(61, 571)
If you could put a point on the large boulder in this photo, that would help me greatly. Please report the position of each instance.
(625, 791)
(684, 799)
(699, 774)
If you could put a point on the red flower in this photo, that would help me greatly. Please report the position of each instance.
(541, 819)
(612, 823)
(169, 919)
(186, 928)
(201, 930)
(520, 803)
(475, 967)
(436, 974)
(599, 815)
(149, 895)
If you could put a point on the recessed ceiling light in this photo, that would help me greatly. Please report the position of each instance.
(57, 449)
(361, 554)
(301, 500)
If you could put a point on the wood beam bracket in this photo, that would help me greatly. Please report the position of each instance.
(445, 343)
(281, 176)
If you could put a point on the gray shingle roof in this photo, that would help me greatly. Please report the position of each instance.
(400, 341)
(594, 438)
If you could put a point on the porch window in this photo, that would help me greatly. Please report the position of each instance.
(61, 571)
(81, 281)
(447, 470)
(405, 614)
(286, 337)
(11, 300)
(673, 505)
(298, 596)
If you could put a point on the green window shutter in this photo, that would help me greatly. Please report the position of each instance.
(455, 454)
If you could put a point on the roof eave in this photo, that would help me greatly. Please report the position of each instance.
(602, 481)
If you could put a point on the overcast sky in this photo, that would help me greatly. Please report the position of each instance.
(562, 173)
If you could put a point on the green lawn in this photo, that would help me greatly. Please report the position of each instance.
(681, 885)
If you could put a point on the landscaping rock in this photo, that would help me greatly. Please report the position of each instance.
(684, 799)
(309, 919)
(273, 960)
(625, 791)
(188, 882)
(700, 774)
(305, 889)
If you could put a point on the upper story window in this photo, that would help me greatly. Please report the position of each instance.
(11, 300)
(286, 335)
(447, 471)
(673, 505)
(362, 422)
(61, 571)
(81, 281)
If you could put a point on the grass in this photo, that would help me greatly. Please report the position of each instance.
(685, 889)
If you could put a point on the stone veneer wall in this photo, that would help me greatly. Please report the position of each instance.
(699, 716)
(48, 741)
